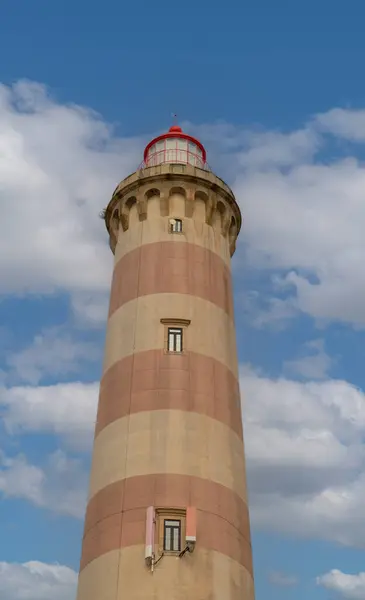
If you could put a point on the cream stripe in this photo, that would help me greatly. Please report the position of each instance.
(136, 327)
(155, 229)
(204, 574)
(168, 441)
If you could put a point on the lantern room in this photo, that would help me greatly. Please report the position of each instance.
(177, 147)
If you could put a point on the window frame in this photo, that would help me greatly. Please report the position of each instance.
(177, 340)
(176, 225)
(170, 323)
(170, 514)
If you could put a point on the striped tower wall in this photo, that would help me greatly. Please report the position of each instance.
(169, 430)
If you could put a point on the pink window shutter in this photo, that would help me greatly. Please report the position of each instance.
(150, 531)
(191, 525)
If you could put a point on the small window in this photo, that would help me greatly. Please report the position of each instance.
(174, 339)
(176, 225)
(172, 535)
(171, 530)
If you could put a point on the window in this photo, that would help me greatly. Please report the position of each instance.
(172, 535)
(176, 225)
(174, 339)
(170, 530)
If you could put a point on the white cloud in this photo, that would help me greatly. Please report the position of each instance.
(342, 123)
(60, 485)
(59, 166)
(303, 214)
(91, 309)
(264, 311)
(67, 410)
(315, 364)
(282, 579)
(306, 224)
(351, 587)
(275, 149)
(37, 581)
(21, 480)
(306, 457)
(53, 352)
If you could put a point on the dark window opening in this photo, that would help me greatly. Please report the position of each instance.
(176, 226)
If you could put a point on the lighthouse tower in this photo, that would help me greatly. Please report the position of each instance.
(167, 515)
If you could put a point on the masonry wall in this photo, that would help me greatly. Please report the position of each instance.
(169, 430)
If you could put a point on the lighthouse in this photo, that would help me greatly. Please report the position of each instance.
(167, 515)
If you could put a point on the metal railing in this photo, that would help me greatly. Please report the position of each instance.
(174, 155)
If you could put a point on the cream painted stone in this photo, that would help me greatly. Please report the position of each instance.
(168, 441)
(199, 210)
(177, 205)
(133, 216)
(220, 577)
(99, 579)
(136, 327)
(153, 207)
(156, 229)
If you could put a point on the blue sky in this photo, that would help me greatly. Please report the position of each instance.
(275, 92)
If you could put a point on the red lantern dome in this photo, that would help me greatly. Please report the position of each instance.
(175, 146)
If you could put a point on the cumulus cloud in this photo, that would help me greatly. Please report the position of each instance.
(342, 123)
(90, 308)
(53, 352)
(60, 485)
(303, 213)
(21, 480)
(269, 150)
(305, 224)
(314, 364)
(37, 581)
(305, 456)
(303, 208)
(67, 410)
(59, 166)
(351, 587)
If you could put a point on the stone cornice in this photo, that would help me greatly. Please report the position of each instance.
(172, 173)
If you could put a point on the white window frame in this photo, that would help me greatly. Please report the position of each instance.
(175, 339)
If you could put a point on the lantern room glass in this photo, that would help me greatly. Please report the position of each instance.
(174, 150)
